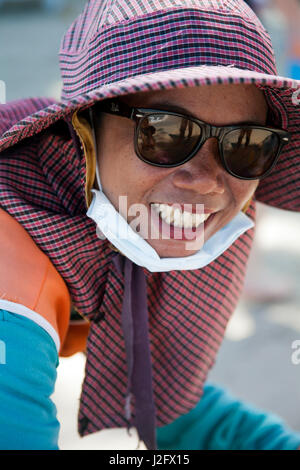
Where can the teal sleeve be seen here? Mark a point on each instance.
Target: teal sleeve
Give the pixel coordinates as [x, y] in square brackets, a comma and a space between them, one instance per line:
[28, 361]
[221, 422]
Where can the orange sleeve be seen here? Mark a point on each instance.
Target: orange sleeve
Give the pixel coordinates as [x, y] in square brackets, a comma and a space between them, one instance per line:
[76, 339]
[28, 279]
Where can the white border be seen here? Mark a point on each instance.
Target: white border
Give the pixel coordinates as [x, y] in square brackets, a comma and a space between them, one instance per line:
[36, 317]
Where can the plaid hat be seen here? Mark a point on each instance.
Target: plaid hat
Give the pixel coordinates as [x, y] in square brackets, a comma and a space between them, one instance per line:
[113, 48]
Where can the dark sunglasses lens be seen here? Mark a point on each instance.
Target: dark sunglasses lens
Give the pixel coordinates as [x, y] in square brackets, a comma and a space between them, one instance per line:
[164, 139]
[250, 153]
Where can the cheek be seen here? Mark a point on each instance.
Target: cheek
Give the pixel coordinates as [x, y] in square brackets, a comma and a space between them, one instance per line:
[122, 173]
[242, 191]
[113, 154]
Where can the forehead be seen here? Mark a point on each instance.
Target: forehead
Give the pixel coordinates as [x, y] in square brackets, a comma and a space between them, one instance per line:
[217, 104]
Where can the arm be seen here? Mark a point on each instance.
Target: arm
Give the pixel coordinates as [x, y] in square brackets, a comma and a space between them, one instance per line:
[221, 422]
[28, 362]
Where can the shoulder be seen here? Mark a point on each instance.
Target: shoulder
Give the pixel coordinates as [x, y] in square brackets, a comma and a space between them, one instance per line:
[29, 283]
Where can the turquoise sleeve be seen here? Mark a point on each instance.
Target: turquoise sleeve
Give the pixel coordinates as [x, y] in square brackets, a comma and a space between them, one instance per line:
[221, 422]
[28, 361]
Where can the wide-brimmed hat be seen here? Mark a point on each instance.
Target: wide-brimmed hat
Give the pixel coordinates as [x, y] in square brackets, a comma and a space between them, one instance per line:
[116, 47]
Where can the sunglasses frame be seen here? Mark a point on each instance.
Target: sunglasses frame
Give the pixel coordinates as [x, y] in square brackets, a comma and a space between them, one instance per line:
[119, 108]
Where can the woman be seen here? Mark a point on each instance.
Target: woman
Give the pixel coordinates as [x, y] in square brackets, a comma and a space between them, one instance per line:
[176, 107]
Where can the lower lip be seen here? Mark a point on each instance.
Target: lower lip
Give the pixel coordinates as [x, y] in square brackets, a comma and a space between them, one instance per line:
[180, 233]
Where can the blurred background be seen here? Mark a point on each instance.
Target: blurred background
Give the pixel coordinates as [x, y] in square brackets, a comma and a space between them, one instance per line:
[254, 361]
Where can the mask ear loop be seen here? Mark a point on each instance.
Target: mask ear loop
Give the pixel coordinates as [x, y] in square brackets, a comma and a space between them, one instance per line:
[95, 147]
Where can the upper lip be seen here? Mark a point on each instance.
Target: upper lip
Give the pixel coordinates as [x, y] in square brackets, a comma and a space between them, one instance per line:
[187, 209]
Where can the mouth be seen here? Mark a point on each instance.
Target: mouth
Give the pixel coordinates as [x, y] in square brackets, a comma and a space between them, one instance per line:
[182, 221]
[179, 217]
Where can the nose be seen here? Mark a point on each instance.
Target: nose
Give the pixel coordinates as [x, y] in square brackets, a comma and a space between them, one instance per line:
[204, 173]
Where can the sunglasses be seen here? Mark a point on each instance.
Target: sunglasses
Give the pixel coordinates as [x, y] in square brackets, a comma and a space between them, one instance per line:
[168, 139]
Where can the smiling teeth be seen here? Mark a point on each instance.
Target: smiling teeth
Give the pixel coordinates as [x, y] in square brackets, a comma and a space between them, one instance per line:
[178, 218]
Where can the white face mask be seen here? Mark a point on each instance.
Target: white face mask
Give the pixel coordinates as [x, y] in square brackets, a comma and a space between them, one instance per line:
[116, 229]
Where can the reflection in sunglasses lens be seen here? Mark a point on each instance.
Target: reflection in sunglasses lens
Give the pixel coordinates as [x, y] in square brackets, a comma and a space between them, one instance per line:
[250, 153]
[166, 139]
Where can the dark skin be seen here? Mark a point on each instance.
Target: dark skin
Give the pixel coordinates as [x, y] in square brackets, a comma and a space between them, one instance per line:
[201, 180]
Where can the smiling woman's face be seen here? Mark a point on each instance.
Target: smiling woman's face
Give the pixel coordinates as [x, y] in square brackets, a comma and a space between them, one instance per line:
[202, 180]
